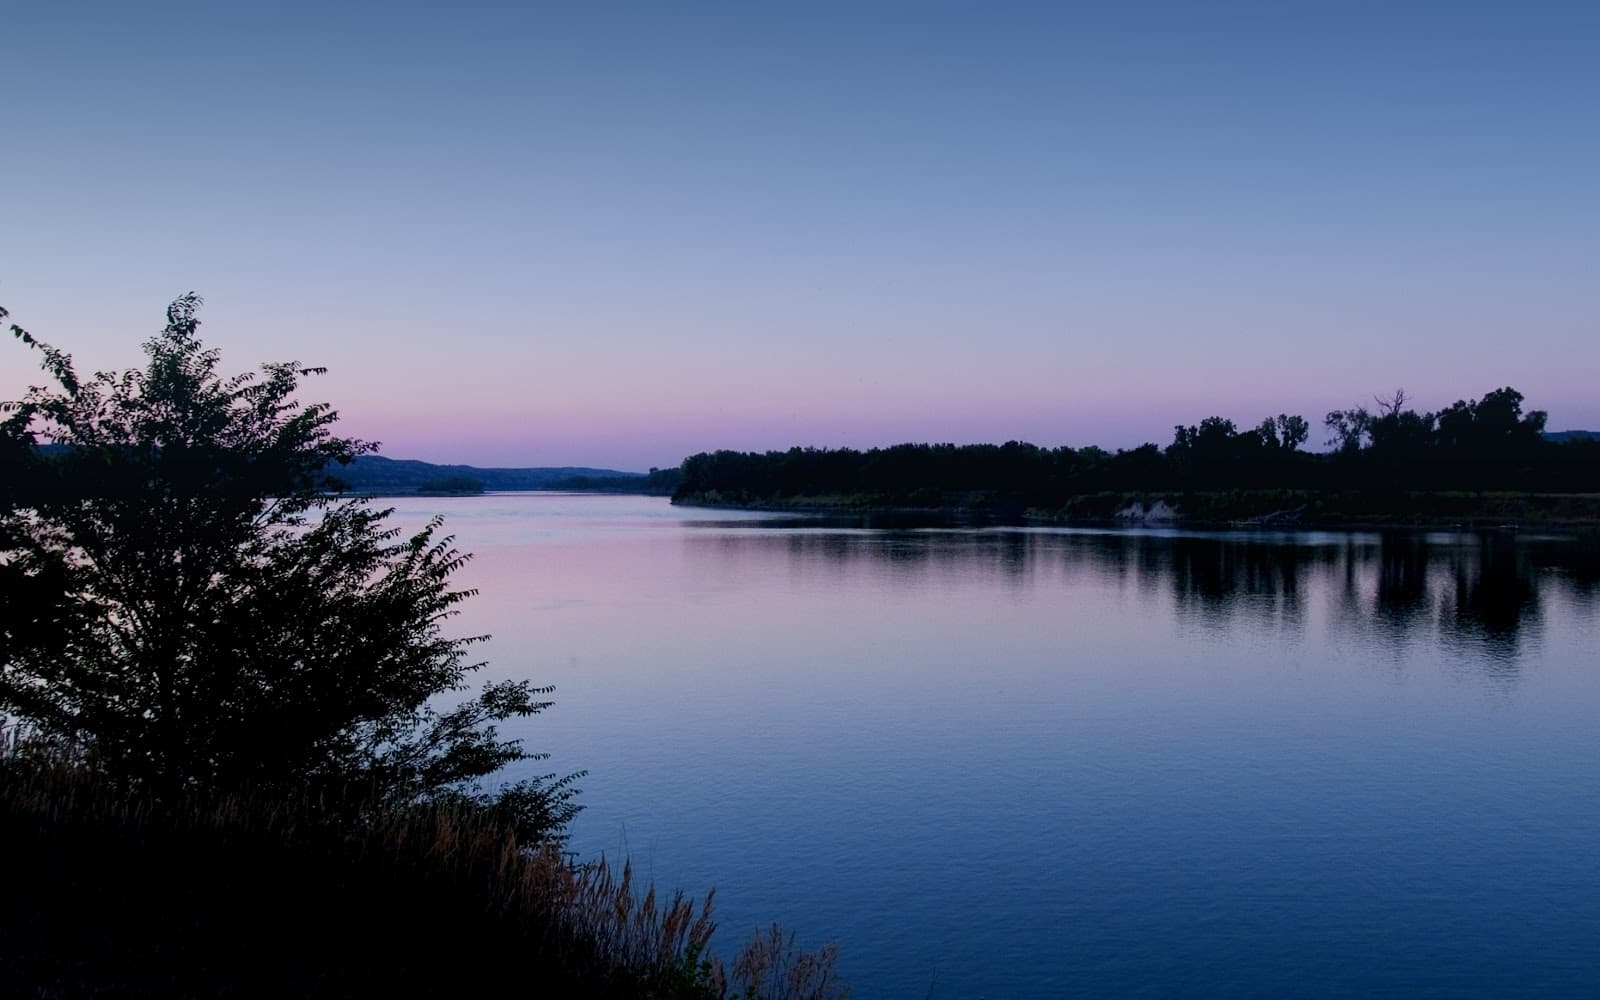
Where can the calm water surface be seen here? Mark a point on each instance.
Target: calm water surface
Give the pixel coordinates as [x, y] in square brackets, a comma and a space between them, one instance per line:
[1040, 762]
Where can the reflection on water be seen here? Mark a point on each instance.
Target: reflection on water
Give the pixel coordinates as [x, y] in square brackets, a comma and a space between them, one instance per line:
[1482, 590]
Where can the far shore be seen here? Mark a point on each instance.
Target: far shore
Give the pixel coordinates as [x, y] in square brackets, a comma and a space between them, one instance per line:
[1265, 509]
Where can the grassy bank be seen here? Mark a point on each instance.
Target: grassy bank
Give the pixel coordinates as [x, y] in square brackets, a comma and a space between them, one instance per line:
[1343, 508]
[113, 894]
[1307, 508]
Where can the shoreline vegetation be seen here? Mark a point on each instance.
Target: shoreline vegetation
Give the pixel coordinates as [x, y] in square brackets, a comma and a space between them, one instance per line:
[273, 893]
[1348, 509]
[1477, 463]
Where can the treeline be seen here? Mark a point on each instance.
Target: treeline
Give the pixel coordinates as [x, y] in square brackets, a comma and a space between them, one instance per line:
[1482, 445]
[375, 474]
[451, 486]
[656, 482]
[394, 476]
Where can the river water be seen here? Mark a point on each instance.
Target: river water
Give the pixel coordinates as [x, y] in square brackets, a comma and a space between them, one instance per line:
[1028, 762]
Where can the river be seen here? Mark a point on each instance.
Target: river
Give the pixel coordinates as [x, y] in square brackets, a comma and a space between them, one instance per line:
[1040, 762]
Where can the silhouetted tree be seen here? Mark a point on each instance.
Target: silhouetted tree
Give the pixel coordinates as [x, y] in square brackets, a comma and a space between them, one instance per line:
[190, 602]
[1493, 425]
[1399, 436]
[1267, 433]
[1292, 431]
[1348, 429]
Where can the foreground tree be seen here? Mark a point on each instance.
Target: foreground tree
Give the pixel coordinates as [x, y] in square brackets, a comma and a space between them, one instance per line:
[191, 602]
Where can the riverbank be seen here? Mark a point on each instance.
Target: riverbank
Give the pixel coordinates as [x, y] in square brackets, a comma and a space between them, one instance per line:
[1232, 508]
[272, 894]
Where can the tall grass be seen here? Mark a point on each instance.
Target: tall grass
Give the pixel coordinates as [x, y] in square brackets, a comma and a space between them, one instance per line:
[114, 893]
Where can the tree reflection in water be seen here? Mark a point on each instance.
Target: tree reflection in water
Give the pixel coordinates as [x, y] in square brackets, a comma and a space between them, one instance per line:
[1484, 589]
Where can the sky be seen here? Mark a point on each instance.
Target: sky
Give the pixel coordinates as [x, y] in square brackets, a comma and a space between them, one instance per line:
[618, 234]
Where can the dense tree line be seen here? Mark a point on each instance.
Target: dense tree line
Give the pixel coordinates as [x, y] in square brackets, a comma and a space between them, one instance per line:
[452, 485]
[657, 482]
[1483, 444]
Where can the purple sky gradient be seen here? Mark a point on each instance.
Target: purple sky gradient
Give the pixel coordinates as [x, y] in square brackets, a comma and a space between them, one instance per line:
[615, 235]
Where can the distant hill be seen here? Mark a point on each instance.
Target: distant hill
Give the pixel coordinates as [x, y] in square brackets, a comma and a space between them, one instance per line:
[1559, 436]
[376, 474]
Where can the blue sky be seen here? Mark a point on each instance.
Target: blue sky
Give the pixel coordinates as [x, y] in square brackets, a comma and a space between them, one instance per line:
[618, 234]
